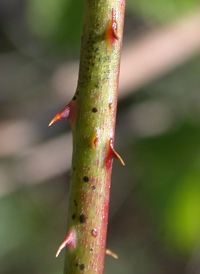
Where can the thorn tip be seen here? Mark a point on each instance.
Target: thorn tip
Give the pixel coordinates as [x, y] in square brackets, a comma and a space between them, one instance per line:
[69, 240]
[50, 123]
[63, 114]
[112, 254]
[117, 156]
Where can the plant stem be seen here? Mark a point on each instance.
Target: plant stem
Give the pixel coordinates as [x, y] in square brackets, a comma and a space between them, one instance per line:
[92, 114]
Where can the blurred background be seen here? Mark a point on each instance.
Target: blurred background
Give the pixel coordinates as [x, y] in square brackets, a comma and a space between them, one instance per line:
[154, 218]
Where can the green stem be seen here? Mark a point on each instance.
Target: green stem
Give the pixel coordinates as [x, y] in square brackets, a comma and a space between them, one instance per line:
[92, 114]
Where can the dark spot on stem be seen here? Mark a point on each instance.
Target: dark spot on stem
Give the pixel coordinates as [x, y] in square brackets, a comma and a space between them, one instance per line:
[94, 187]
[73, 216]
[91, 249]
[74, 98]
[86, 179]
[82, 218]
[94, 110]
[82, 266]
[75, 203]
[96, 85]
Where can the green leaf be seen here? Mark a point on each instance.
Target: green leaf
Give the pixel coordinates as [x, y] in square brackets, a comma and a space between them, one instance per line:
[162, 10]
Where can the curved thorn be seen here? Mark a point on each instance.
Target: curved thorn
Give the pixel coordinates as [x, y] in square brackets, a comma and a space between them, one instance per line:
[114, 34]
[63, 114]
[113, 25]
[59, 249]
[117, 156]
[112, 254]
[69, 240]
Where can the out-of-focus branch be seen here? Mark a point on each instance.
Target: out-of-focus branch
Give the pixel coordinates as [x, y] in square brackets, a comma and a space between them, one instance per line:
[158, 52]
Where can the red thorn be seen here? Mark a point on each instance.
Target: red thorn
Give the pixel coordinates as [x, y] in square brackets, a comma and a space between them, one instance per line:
[69, 240]
[66, 113]
[63, 114]
[118, 157]
[112, 153]
[109, 252]
[112, 28]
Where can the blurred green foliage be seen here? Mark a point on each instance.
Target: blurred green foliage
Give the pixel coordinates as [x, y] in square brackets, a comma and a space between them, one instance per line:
[171, 185]
[58, 22]
[162, 10]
